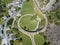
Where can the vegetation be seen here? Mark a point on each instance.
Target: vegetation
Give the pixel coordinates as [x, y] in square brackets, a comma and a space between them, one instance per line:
[15, 24]
[47, 1]
[17, 8]
[17, 42]
[15, 31]
[54, 16]
[36, 10]
[46, 43]
[42, 23]
[33, 17]
[0, 40]
[25, 38]
[3, 9]
[10, 22]
[39, 39]
[1, 21]
[27, 0]
[43, 3]
[21, 38]
[8, 1]
[11, 41]
[27, 8]
[28, 24]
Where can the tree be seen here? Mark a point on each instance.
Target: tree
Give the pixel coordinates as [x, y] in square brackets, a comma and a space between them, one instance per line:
[3, 8]
[20, 39]
[10, 22]
[1, 21]
[11, 41]
[25, 27]
[46, 43]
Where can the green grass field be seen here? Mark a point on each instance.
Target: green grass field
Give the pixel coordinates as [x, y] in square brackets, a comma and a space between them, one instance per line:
[28, 23]
[39, 39]
[27, 8]
[25, 40]
[16, 42]
[42, 23]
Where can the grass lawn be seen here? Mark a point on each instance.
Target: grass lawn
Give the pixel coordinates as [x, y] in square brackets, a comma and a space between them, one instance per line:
[16, 42]
[28, 23]
[25, 39]
[27, 8]
[42, 23]
[39, 39]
